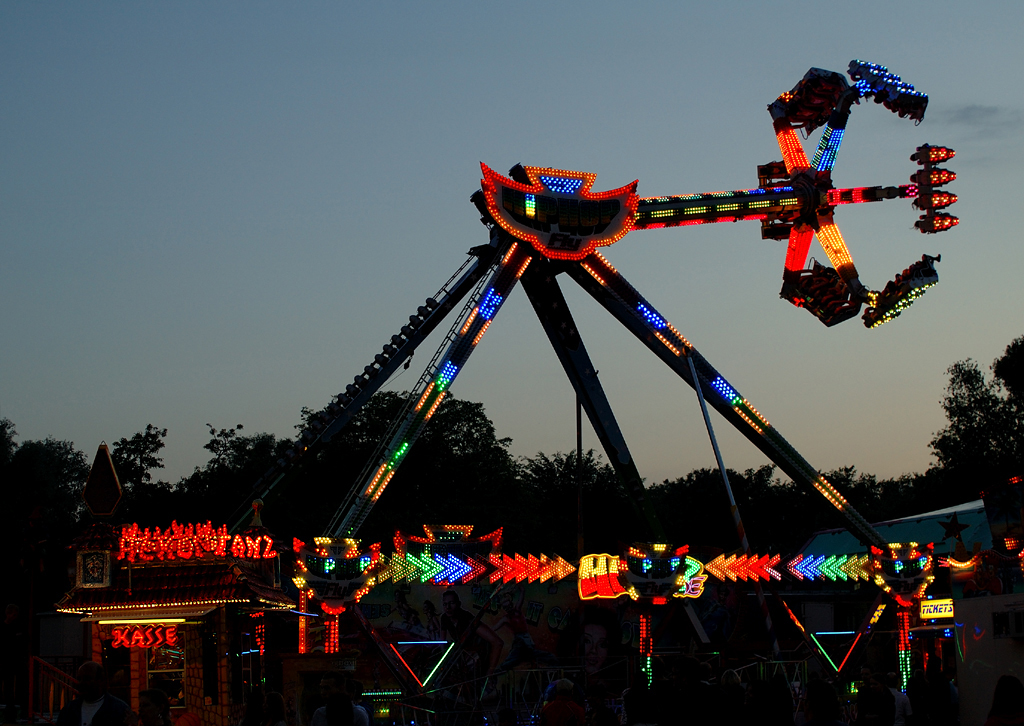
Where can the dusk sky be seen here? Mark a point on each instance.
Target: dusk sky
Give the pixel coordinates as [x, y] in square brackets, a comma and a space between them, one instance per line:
[219, 212]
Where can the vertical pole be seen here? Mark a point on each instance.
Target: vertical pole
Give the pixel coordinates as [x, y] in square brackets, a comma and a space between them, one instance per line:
[303, 621]
[740, 531]
[31, 688]
[579, 477]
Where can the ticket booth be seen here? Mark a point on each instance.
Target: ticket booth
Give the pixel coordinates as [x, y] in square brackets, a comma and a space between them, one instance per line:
[184, 609]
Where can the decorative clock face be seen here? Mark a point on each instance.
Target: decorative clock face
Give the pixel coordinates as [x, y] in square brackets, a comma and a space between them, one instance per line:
[557, 213]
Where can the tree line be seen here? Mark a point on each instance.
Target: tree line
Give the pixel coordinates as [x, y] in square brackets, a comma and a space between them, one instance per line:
[461, 472]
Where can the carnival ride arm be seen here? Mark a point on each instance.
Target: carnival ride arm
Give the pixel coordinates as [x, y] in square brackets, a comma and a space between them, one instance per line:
[433, 386]
[333, 418]
[541, 286]
[604, 283]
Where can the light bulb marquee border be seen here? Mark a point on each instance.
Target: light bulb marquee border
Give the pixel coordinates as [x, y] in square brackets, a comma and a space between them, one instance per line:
[544, 202]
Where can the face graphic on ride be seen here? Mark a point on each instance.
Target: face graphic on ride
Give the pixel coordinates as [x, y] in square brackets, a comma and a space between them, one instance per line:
[557, 213]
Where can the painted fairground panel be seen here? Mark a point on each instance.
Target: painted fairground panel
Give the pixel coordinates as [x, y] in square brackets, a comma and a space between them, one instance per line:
[527, 626]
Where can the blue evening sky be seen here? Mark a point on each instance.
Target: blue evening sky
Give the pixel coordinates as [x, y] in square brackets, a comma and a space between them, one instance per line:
[219, 212]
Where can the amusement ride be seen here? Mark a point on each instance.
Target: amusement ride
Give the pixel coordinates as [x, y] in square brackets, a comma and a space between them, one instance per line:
[546, 222]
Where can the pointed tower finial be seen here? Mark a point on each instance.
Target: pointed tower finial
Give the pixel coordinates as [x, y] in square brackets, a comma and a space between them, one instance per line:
[102, 490]
[257, 505]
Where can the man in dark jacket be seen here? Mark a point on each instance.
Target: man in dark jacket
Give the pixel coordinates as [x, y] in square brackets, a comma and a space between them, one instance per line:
[94, 707]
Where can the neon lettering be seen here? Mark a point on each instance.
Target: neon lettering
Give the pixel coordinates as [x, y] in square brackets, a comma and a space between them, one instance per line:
[176, 542]
[149, 636]
[695, 586]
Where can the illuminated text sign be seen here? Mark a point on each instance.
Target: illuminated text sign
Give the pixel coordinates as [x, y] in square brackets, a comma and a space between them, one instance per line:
[931, 609]
[145, 636]
[188, 541]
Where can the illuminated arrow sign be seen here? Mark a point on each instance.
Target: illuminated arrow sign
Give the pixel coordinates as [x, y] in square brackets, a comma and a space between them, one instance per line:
[559, 569]
[810, 566]
[516, 568]
[766, 567]
[453, 569]
[400, 568]
[504, 568]
[476, 568]
[428, 569]
[832, 567]
[744, 567]
[856, 567]
[720, 567]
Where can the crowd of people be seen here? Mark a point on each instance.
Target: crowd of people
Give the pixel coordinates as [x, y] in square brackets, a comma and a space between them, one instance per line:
[689, 693]
[96, 706]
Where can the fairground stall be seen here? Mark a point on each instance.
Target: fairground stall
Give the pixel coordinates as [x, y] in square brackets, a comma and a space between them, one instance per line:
[185, 608]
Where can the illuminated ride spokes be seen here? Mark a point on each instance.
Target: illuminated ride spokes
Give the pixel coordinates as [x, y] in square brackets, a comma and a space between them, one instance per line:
[544, 222]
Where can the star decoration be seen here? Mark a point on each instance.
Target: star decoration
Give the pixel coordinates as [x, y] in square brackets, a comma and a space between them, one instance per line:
[953, 528]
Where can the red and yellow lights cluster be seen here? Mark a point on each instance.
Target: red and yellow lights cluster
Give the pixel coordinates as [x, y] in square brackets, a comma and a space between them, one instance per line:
[744, 567]
[800, 238]
[599, 577]
[792, 149]
[260, 631]
[832, 242]
[650, 571]
[903, 570]
[516, 568]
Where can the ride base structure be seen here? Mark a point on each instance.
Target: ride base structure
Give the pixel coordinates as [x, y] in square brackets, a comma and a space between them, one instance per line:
[544, 223]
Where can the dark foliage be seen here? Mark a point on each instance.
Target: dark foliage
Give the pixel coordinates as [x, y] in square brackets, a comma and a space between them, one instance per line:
[458, 472]
[42, 507]
[983, 442]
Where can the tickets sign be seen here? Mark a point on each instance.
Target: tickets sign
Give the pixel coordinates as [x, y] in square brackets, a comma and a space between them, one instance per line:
[557, 213]
[931, 609]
